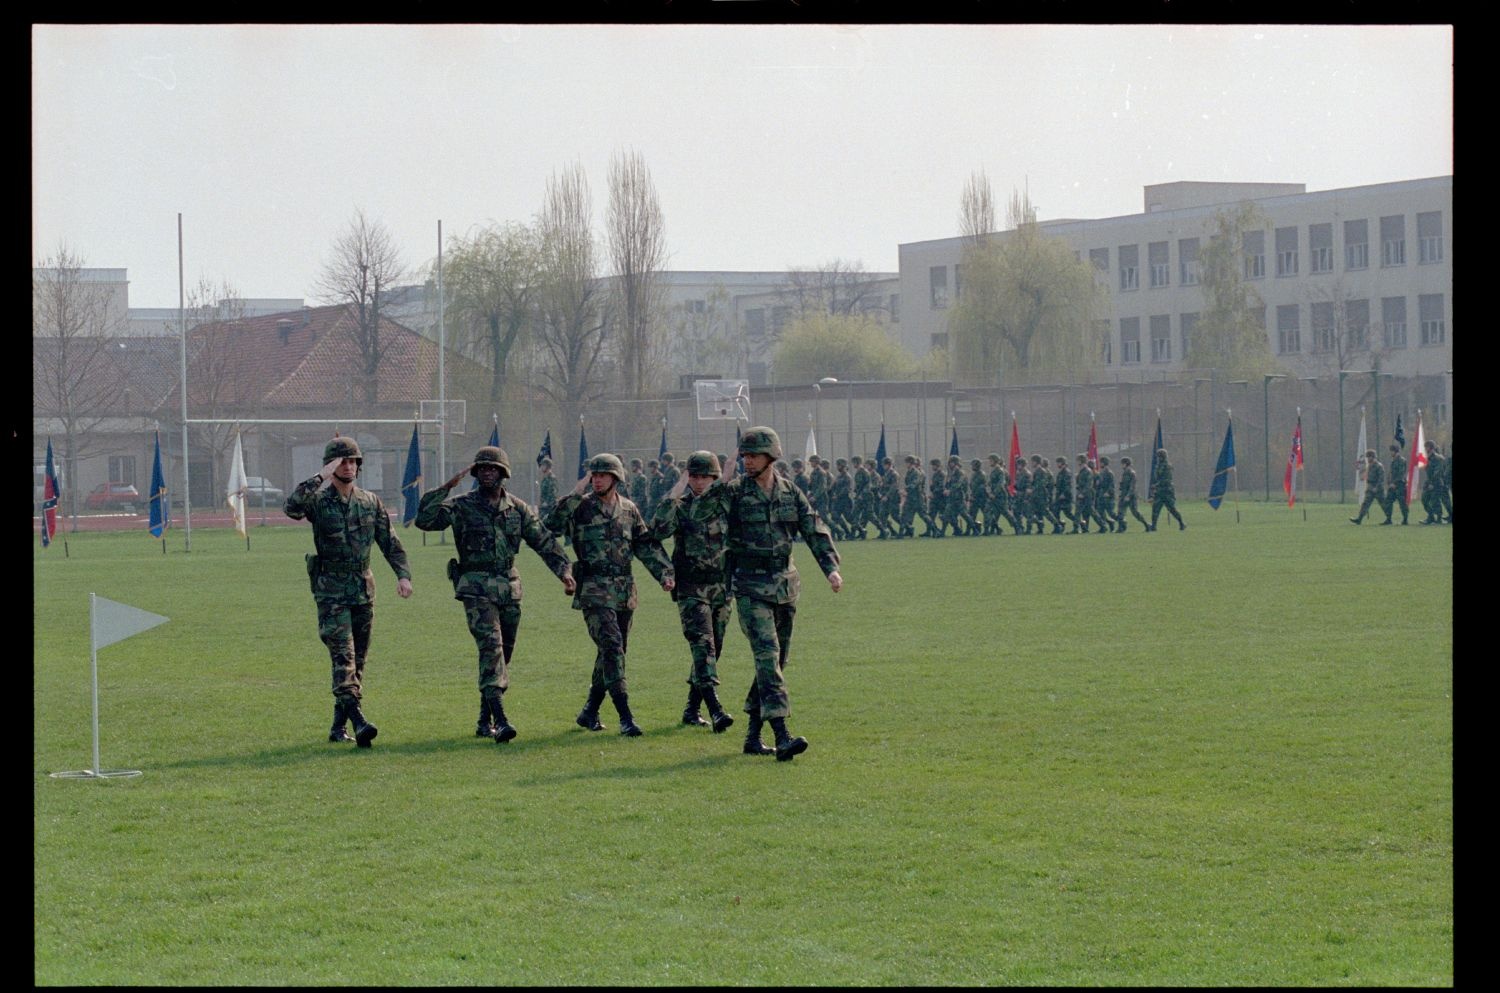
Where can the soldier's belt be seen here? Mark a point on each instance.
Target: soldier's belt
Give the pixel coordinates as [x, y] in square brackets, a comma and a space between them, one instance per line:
[340, 568]
[585, 570]
[700, 575]
[479, 562]
[760, 563]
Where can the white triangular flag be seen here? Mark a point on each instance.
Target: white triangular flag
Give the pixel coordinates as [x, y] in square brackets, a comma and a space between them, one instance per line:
[117, 621]
[237, 489]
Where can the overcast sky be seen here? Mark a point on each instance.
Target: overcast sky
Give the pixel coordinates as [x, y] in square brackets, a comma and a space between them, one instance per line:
[770, 146]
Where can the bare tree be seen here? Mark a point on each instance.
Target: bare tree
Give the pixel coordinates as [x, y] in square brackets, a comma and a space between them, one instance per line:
[1343, 334]
[364, 260]
[703, 340]
[493, 281]
[976, 208]
[571, 327]
[838, 288]
[221, 371]
[1228, 336]
[73, 329]
[638, 251]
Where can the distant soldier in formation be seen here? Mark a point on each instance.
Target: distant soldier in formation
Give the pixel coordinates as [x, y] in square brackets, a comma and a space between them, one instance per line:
[1084, 508]
[656, 489]
[862, 482]
[1020, 502]
[937, 497]
[913, 501]
[1104, 498]
[817, 486]
[1128, 494]
[1374, 488]
[546, 489]
[1041, 497]
[799, 477]
[841, 521]
[1396, 491]
[1162, 494]
[1062, 496]
[979, 498]
[890, 498]
[1000, 500]
[958, 497]
[637, 491]
[1435, 496]
[669, 474]
[872, 508]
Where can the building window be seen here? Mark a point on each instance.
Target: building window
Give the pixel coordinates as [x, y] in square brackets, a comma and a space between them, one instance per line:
[1161, 338]
[755, 323]
[1187, 261]
[1286, 251]
[695, 306]
[940, 341]
[1323, 334]
[1130, 271]
[1430, 311]
[1320, 248]
[1156, 256]
[780, 315]
[1254, 245]
[122, 468]
[1393, 316]
[1189, 324]
[1356, 245]
[958, 282]
[1430, 237]
[1101, 335]
[1393, 240]
[1289, 328]
[1130, 340]
[1100, 258]
[938, 275]
[1357, 324]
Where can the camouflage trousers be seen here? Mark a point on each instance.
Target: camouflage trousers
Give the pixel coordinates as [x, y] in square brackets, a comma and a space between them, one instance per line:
[1104, 512]
[1372, 498]
[346, 631]
[1167, 500]
[769, 628]
[610, 629]
[1130, 505]
[494, 627]
[1084, 512]
[1042, 512]
[703, 625]
[1393, 498]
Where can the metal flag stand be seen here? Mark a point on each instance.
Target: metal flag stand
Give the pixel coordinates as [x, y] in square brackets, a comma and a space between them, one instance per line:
[120, 622]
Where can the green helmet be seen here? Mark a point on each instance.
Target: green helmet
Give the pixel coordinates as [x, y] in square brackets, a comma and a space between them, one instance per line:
[703, 463]
[605, 462]
[490, 455]
[342, 448]
[760, 441]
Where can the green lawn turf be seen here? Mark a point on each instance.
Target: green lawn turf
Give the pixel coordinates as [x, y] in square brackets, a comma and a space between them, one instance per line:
[1205, 757]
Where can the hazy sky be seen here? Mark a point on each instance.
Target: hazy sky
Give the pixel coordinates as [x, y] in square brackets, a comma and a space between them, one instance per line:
[770, 146]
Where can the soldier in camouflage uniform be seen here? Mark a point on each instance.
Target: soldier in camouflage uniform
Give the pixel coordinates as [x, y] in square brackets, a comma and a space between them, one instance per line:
[1084, 509]
[346, 521]
[998, 486]
[1162, 493]
[817, 486]
[890, 498]
[656, 488]
[606, 529]
[765, 516]
[489, 525]
[1062, 496]
[937, 499]
[1104, 497]
[702, 590]
[546, 489]
[670, 474]
[979, 498]
[1041, 497]
[1127, 495]
[842, 519]
[958, 497]
[1374, 488]
[1396, 493]
[1435, 487]
[1021, 501]
[862, 482]
[637, 489]
[872, 508]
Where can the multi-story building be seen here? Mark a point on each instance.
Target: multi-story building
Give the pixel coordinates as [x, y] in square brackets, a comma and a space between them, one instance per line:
[1348, 278]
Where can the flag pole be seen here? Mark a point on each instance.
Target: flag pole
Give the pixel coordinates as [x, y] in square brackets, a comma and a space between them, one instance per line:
[1234, 470]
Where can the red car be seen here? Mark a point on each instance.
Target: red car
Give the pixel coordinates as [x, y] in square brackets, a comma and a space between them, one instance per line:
[114, 496]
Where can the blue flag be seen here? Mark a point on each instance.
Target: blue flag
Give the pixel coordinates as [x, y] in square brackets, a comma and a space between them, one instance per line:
[953, 446]
[662, 451]
[880, 448]
[411, 481]
[545, 452]
[49, 500]
[1156, 447]
[1400, 434]
[1221, 471]
[161, 513]
[583, 452]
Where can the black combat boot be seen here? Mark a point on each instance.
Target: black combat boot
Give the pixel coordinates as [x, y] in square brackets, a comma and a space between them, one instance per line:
[485, 726]
[364, 731]
[503, 731]
[337, 732]
[753, 744]
[690, 715]
[588, 717]
[787, 747]
[721, 721]
[628, 726]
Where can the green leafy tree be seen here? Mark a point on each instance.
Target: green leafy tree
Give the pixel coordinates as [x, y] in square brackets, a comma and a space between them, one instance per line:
[492, 280]
[849, 346]
[1229, 337]
[1026, 305]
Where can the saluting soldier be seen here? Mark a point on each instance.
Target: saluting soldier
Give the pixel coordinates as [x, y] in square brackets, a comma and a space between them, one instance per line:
[489, 525]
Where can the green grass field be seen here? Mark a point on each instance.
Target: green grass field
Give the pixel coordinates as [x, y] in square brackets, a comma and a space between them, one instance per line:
[1207, 757]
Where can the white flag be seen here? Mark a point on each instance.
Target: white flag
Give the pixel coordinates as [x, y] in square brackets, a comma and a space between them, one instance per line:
[237, 490]
[1361, 470]
[812, 443]
[117, 621]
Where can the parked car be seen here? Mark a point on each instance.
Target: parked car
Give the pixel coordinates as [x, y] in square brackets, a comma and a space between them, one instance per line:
[114, 496]
[262, 492]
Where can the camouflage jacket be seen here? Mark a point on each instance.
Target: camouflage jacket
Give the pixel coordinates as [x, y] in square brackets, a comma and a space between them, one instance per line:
[817, 486]
[1041, 485]
[1375, 478]
[999, 486]
[344, 532]
[762, 528]
[547, 498]
[1023, 487]
[1104, 485]
[1085, 478]
[1127, 484]
[1161, 484]
[937, 490]
[487, 537]
[1398, 473]
[604, 538]
[638, 494]
[1062, 487]
[698, 551]
[890, 488]
[843, 489]
[958, 489]
[1435, 477]
[912, 482]
[979, 490]
[861, 483]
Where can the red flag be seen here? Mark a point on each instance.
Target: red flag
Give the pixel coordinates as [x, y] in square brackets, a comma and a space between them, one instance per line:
[1015, 453]
[1293, 465]
[1418, 458]
[1093, 443]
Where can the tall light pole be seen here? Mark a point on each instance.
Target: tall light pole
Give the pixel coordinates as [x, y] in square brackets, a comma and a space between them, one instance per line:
[1267, 415]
